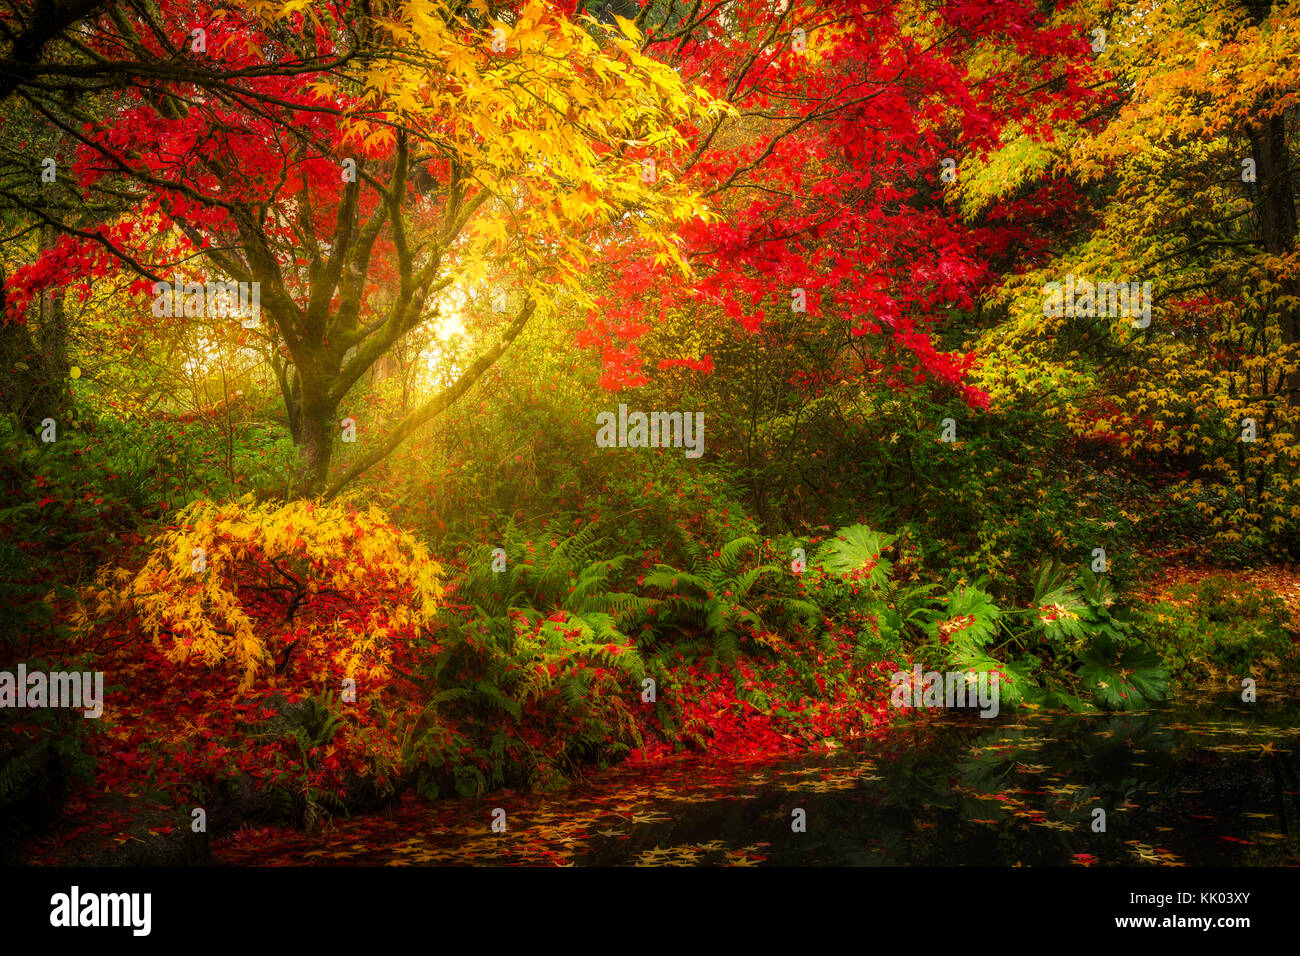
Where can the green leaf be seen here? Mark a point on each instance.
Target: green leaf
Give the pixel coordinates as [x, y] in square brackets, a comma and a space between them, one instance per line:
[1122, 677]
[966, 622]
[855, 553]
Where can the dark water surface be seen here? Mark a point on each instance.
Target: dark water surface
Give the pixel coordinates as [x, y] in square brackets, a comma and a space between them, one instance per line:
[1206, 780]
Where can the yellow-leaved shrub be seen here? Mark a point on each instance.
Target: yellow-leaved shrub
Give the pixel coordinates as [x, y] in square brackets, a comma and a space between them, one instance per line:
[253, 584]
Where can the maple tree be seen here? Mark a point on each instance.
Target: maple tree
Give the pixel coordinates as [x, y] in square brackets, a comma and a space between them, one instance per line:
[1193, 158]
[226, 577]
[354, 164]
[831, 170]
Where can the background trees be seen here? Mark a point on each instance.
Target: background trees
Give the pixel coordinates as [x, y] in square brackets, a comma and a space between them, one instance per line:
[1189, 171]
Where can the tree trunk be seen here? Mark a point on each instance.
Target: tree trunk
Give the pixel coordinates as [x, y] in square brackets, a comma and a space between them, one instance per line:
[35, 355]
[1275, 206]
[315, 449]
[53, 331]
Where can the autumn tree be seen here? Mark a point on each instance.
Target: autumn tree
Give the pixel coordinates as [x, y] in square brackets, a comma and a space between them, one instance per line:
[829, 283]
[355, 162]
[1190, 169]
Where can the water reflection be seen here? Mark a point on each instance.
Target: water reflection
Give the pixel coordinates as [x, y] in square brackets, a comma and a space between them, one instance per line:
[1206, 781]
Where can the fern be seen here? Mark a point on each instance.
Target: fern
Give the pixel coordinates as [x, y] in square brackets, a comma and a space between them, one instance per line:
[728, 559]
[486, 693]
[18, 772]
[904, 610]
[621, 605]
[797, 610]
[714, 595]
[670, 579]
[727, 647]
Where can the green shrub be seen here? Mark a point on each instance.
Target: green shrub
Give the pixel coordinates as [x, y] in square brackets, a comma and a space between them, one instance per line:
[1219, 628]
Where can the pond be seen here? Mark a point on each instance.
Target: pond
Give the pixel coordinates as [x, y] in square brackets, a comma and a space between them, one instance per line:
[1205, 780]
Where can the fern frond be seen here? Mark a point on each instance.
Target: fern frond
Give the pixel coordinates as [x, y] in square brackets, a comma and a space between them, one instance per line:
[729, 555]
